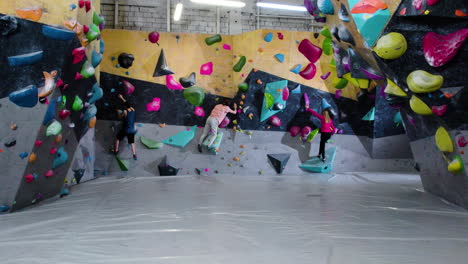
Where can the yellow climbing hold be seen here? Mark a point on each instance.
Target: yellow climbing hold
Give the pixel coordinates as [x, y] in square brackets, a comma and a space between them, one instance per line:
[456, 166]
[391, 46]
[32, 157]
[443, 140]
[393, 89]
[419, 107]
[423, 82]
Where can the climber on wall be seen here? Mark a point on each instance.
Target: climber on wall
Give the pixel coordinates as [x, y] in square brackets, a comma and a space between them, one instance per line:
[127, 113]
[327, 128]
[217, 115]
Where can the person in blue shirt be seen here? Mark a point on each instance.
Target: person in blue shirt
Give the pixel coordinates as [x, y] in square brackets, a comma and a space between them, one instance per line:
[128, 129]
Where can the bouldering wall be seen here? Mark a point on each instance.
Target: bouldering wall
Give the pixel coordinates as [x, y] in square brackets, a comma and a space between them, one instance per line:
[415, 54]
[45, 114]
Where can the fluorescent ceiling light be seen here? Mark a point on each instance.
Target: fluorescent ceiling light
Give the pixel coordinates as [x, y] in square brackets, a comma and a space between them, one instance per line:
[282, 7]
[228, 3]
[178, 11]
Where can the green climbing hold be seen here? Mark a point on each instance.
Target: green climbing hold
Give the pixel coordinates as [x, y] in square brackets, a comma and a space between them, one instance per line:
[87, 70]
[327, 46]
[423, 82]
[270, 100]
[194, 95]
[63, 102]
[150, 144]
[181, 139]
[312, 135]
[97, 19]
[339, 83]
[443, 140]
[243, 86]
[213, 39]
[77, 104]
[391, 46]
[54, 128]
[123, 164]
[419, 107]
[326, 32]
[456, 166]
[93, 33]
[240, 64]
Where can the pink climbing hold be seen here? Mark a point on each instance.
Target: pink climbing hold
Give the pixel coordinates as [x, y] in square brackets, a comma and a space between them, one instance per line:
[417, 4]
[153, 37]
[309, 71]
[199, 111]
[49, 174]
[432, 2]
[78, 76]
[85, 29]
[78, 54]
[64, 114]
[53, 151]
[462, 142]
[305, 131]
[38, 143]
[280, 35]
[129, 88]
[154, 105]
[226, 47]
[29, 178]
[439, 109]
[172, 84]
[59, 83]
[310, 51]
[274, 121]
[285, 93]
[207, 68]
[338, 94]
[225, 122]
[440, 49]
[294, 131]
[325, 76]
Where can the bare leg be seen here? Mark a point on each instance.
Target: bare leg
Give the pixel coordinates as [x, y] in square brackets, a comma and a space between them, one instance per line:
[133, 148]
[116, 146]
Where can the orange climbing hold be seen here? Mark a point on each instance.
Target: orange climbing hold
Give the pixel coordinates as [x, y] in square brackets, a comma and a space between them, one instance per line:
[242, 146]
[162, 125]
[13, 126]
[259, 81]
[33, 14]
[241, 102]
[460, 13]
[255, 69]
[236, 159]
[250, 60]
[448, 95]
[243, 97]
[92, 122]
[32, 157]
[368, 7]
[260, 50]
[58, 138]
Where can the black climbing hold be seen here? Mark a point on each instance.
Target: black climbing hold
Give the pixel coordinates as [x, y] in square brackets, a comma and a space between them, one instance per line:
[279, 161]
[10, 144]
[343, 13]
[8, 25]
[345, 35]
[78, 174]
[334, 32]
[359, 65]
[189, 81]
[42, 100]
[161, 67]
[278, 106]
[126, 60]
[316, 35]
[165, 169]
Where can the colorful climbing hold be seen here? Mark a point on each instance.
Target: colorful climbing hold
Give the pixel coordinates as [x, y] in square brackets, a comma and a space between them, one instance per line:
[420, 81]
[61, 157]
[54, 128]
[275, 121]
[268, 37]
[213, 39]
[194, 95]
[443, 140]
[198, 111]
[26, 97]
[439, 109]
[172, 84]
[391, 46]
[368, 6]
[296, 69]
[456, 165]
[25, 59]
[243, 87]
[309, 71]
[77, 104]
[32, 157]
[49, 84]
[34, 13]
[393, 89]
[226, 47]
[189, 81]
[310, 51]
[154, 105]
[87, 70]
[326, 7]
[23, 155]
[240, 64]
[440, 49]
[279, 57]
[419, 107]
[207, 68]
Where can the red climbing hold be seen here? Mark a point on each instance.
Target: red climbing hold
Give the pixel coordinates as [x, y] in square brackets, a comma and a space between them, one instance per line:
[310, 51]
[439, 109]
[38, 143]
[85, 29]
[64, 114]
[432, 2]
[368, 7]
[59, 83]
[462, 142]
[29, 178]
[417, 4]
[53, 151]
[49, 174]
[78, 76]
[403, 11]
[309, 71]
[81, 3]
[440, 49]
[78, 54]
[88, 6]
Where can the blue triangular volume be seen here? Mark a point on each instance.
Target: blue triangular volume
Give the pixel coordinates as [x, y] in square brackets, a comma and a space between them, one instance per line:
[325, 104]
[296, 69]
[317, 165]
[276, 90]
[370, 116]
[181, 139]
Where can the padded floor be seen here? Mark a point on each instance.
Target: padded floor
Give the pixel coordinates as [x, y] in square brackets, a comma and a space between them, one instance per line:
[345, 218]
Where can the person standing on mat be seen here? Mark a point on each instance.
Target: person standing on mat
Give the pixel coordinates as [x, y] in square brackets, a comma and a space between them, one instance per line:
[217, 115]
[128, 129]
[327, 129]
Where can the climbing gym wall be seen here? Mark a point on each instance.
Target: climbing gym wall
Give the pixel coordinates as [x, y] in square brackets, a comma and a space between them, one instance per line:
[414, 51]
[47, 98]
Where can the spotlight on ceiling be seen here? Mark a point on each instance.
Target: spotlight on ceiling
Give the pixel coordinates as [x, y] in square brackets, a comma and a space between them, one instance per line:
[227, 3]
[178, 11]
[282, 6]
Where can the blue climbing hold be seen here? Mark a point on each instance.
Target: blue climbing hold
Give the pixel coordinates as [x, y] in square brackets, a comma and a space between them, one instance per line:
[57, 33]
[4, 208]
[315, 164]
[397, 119]
[90, 112]
[96, 58]
[296, 69]
[181, 139]
[325, 104]
[64, 192]
[370, 115]
[102, 46]
[297, 90]
[50, 113]
[72, 7]
[326, 7]
[26, 97]
[23, 155]
[25, 59]
[370, 26]
[61, 158]
[96, 93]
[268, 37]
[279, 57]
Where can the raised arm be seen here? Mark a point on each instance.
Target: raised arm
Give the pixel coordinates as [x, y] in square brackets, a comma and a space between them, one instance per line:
[319, 116]
[232, 111]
